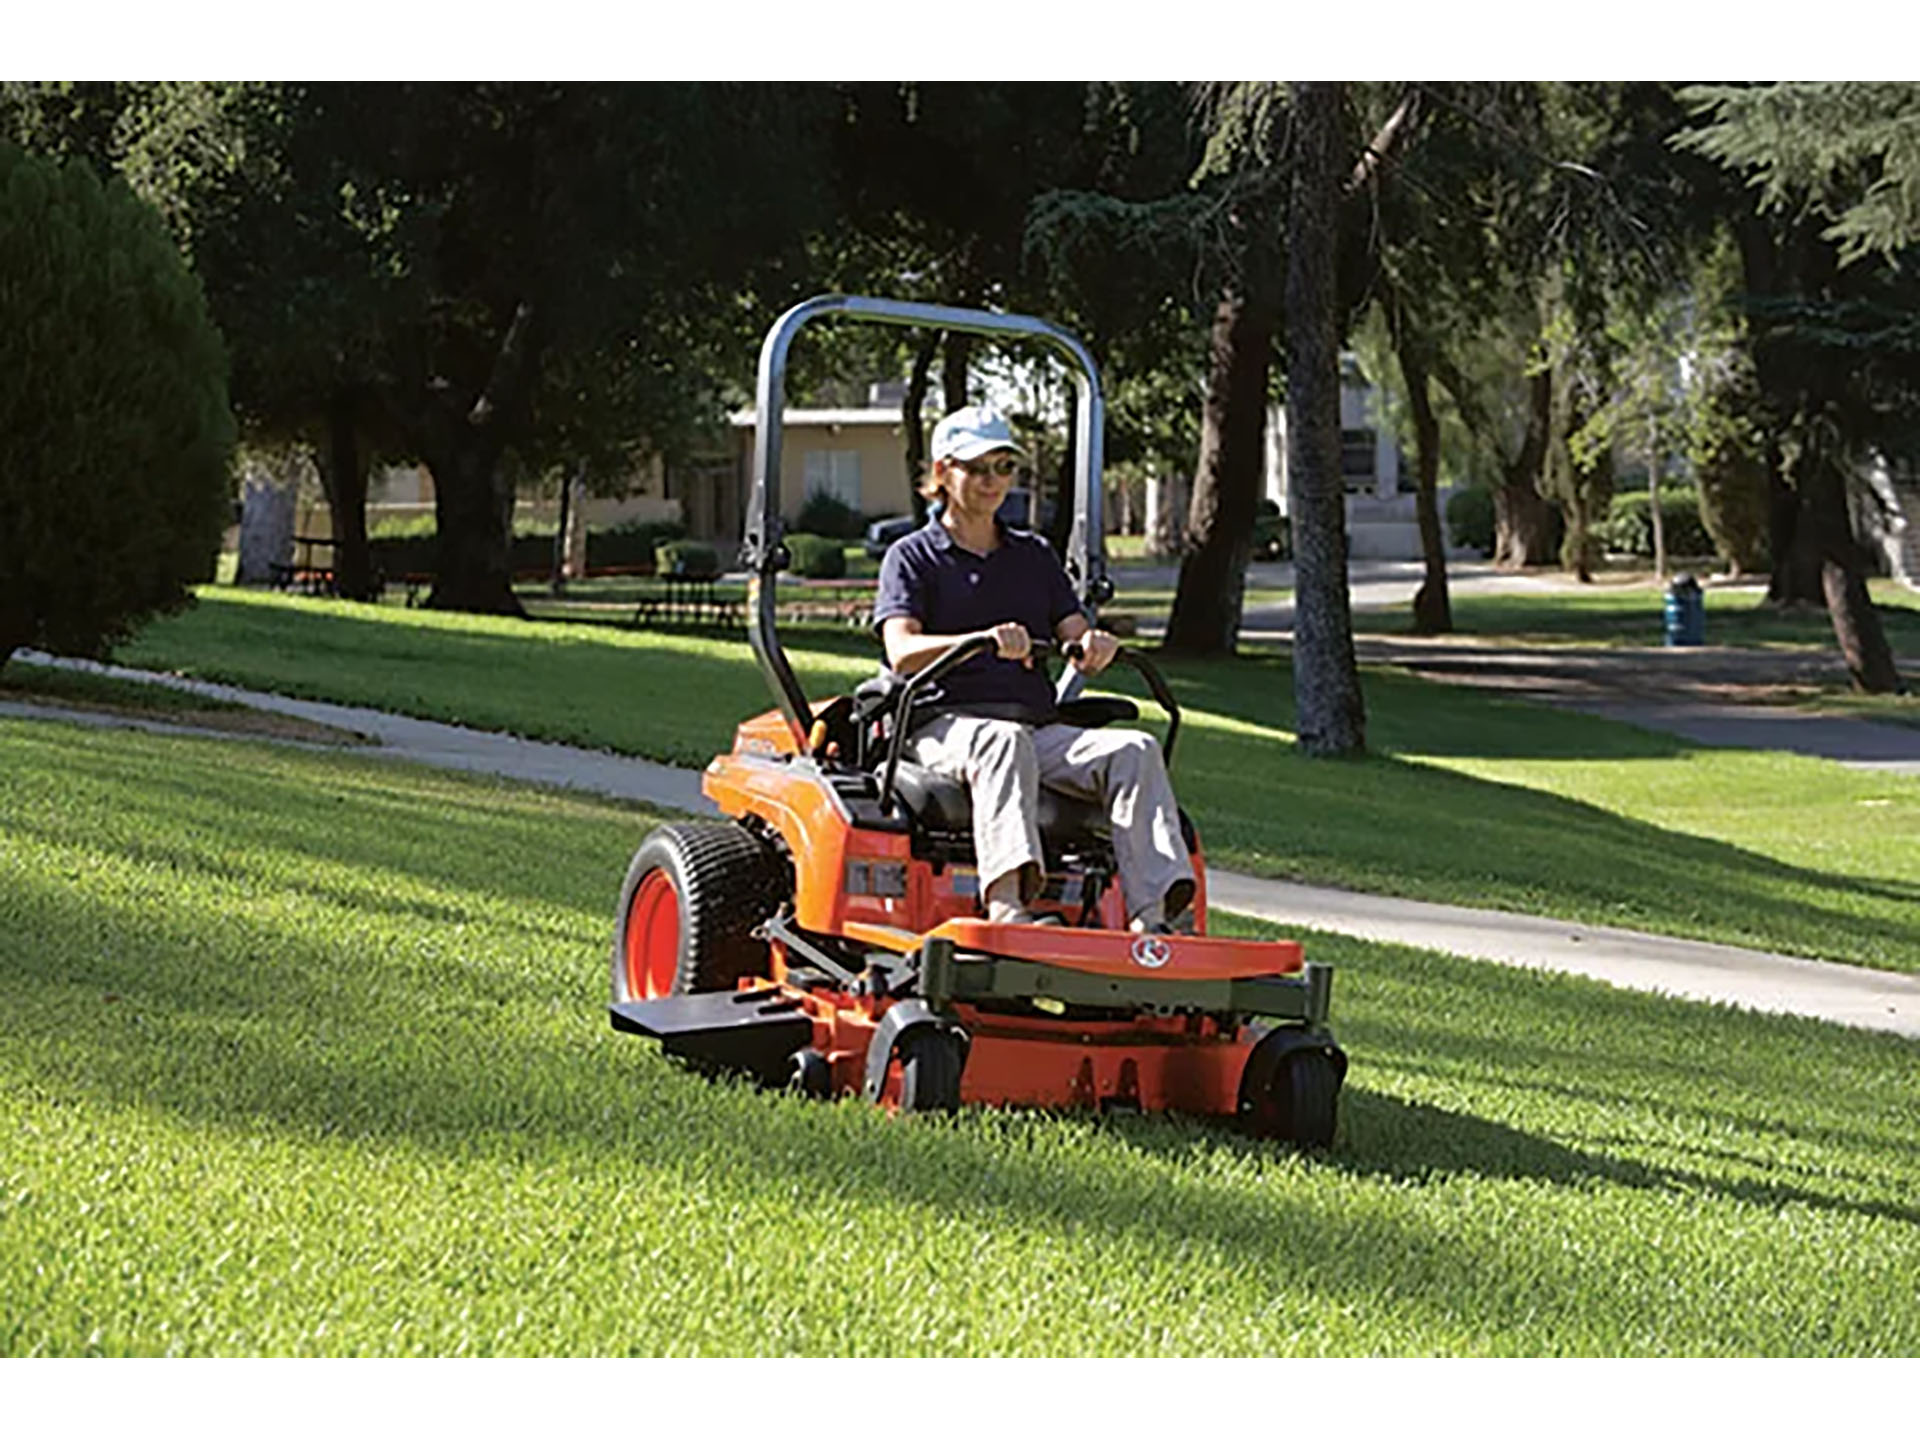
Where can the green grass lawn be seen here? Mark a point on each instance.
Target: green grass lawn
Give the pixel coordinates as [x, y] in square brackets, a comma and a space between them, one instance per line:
[1469, 799]
[306, 1054]
[1614, 614]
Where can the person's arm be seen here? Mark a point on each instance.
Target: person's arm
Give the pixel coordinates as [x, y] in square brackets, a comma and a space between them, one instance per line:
[909, 648]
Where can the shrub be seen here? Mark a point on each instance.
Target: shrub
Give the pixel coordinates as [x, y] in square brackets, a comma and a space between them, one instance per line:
[825, 514]
[114, 484]
[818, 557]
[1629, 529]
[1470, 519]
[1733, 507]
[694, 559]
[631, 543]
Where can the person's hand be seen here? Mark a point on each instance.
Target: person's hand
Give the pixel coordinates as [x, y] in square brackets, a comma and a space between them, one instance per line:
[1097, 650]
[1012, 640]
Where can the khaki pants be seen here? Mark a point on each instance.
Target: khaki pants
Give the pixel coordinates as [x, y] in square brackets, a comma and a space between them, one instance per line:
[1004, 764]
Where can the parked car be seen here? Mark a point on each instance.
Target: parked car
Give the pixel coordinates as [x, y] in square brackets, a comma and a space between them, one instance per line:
[882, 533]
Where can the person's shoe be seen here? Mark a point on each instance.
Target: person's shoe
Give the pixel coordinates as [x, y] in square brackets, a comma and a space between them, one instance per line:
[1150, 921]
[1178, 904]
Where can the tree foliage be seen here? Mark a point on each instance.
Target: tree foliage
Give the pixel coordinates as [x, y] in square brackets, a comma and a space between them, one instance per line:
[113, 400]
[1848, 152]
[1830, 319]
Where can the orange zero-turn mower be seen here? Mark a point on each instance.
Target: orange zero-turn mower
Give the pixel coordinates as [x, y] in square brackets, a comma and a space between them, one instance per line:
[827, 935]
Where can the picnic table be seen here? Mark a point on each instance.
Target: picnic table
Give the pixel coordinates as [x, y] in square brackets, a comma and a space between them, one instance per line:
[690, 600]
[304, 573]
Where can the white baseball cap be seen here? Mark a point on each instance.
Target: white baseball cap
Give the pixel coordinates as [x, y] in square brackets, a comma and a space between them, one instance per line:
[972, 432]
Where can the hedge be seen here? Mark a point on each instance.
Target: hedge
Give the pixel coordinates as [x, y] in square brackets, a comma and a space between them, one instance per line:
[817, 557]
[1629, 525]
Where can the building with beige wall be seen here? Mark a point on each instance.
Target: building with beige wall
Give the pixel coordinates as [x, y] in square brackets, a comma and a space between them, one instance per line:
[857, 456]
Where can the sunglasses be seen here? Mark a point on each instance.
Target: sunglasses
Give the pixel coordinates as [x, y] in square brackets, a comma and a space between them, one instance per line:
[980, 469]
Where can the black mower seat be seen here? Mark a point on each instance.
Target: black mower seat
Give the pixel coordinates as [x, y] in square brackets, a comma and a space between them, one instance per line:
[942, 804]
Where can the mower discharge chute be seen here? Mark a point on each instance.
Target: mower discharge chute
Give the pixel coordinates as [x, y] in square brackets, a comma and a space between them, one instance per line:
[828, 934]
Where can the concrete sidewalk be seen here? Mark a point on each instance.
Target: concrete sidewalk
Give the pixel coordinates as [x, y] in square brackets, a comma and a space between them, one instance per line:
[1779, 984]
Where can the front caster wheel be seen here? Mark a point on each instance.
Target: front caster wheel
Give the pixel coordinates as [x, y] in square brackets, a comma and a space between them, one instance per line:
[930, 1064]
[1290, 1089]
[812, 1076]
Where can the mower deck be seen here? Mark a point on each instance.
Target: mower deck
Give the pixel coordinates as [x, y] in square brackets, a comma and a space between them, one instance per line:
[1107, 1019]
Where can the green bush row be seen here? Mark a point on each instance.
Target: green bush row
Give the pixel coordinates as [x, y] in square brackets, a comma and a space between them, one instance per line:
[817, 557]
[633, 543]
[1629, 526]
[823, 514]
[1470, 519]
[1627, 530]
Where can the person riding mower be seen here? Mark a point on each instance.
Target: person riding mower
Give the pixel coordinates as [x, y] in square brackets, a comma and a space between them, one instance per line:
[849, 929]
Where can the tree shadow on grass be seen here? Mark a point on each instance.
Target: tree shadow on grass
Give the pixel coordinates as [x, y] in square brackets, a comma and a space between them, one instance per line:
[1425, 830]
[229, 1018]
[375, 1060]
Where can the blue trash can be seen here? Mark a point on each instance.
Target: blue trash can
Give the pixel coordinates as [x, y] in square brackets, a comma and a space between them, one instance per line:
[1686, 612]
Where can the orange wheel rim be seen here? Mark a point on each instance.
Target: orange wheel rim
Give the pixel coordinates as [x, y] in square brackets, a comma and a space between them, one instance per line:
[653, 937]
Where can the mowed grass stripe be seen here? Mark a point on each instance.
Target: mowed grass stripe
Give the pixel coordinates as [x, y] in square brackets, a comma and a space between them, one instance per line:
[1467, 800]
[306, 1054]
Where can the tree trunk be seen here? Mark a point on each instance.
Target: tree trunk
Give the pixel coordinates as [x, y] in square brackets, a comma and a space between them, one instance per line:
[266, 523]
[1653, 502]
[1522, 516]
[1826, 528]
[1330, 709]
[578, 540]
[956, 352]
[1432, 606]
[1060, 531]
[345, 478]
[473, 507]
[911, 409]
[1856, 625]
[563, 525]
[1795, 579]
[1523, 527]
[1219, 539]
[15, 631]
[1166, 502]
[473, 500]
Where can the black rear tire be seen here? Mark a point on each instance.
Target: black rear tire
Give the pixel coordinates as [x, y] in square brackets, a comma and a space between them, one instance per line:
[693, 895]
[930, 1064]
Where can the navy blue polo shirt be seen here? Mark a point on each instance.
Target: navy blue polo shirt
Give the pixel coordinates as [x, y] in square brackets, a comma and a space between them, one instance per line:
[952, 591]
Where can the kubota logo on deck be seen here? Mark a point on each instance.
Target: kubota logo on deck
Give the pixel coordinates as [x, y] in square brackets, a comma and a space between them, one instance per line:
[1150, 952]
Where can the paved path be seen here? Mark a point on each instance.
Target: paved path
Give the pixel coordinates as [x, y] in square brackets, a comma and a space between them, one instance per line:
[1712, 695]
[1780, 984]
[1693, 692]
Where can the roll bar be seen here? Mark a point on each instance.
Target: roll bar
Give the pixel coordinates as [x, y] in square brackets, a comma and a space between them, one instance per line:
[762, 550]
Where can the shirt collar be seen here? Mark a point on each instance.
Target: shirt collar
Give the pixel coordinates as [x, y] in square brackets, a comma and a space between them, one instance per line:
[943, 537]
